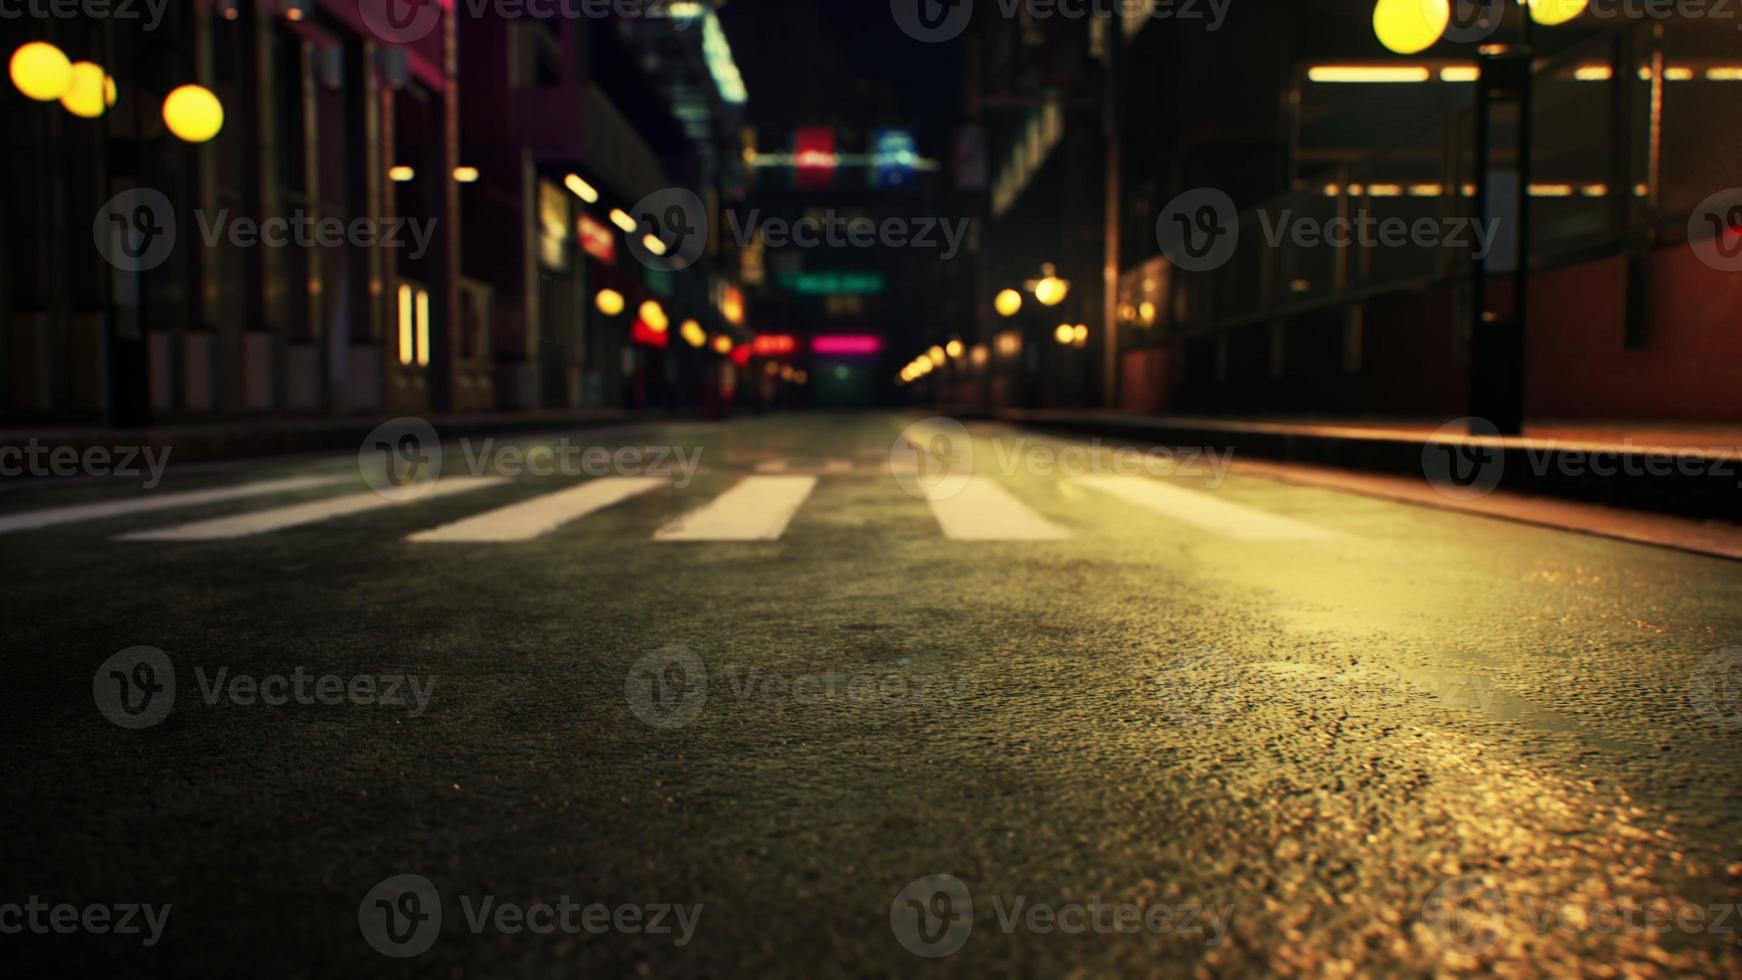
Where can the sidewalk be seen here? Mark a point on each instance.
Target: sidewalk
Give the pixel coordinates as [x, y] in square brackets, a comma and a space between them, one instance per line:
[1692, 470]
[246, 438]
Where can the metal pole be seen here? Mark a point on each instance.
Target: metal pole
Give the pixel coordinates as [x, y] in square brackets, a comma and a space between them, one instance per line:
[1110, 263]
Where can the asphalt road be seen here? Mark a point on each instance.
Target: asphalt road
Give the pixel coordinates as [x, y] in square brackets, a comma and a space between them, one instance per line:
[962, 714]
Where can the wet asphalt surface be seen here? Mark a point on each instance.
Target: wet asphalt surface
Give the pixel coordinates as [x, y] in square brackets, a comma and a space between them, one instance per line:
[1425, 743]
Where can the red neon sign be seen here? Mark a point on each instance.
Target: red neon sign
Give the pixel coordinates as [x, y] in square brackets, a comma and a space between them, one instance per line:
[597, 240]
[770, 344]
[813, 152]
[847, 344]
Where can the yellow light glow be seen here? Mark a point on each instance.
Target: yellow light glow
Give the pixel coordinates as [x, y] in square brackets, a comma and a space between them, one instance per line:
[581, 188]
[1367, 74]
[423, 328]
[653, 315]
[623, 221]
[787, 373]
[979, 355]
[1080, 334]
[1063, 333]
[652, 243]
[193, 113]
[722, 344]
[1409, 26]
[936, 356]
[953, 348]
[1595, 190]
[1146, 311]
[692, 333]
[1593, 73]
[1332, 190]
[1008, 302]
[801, 377]
[1678, 74]
[86, 89]
[609, 302]
[406, 351]
[1551, 190]
[1051, 290]
[1426, 190]
[1460, 73]
[771, 369]
[1551, 12]
[1384, 190]
[400, 173]
[466, 175]
[40, 71]
[1724, 73]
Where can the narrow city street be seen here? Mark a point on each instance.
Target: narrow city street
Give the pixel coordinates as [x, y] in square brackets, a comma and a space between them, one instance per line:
[740, 695]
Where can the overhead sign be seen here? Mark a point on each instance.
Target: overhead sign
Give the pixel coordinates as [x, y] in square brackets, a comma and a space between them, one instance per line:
[833, 283]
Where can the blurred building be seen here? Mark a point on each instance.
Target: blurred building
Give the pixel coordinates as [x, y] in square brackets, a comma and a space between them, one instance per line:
[1304, 112]
[515, 147]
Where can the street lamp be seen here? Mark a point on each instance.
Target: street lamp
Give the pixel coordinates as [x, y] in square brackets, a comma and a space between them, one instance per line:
[1410, 26]
[193, 113]
[1008, 302]
[41, 71]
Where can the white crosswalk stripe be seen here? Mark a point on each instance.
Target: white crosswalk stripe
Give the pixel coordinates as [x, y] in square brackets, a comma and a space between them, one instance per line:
[539, 516]
[984, 511]
[757, 508]
[31, 520]
[1204, 511]
[278, 518]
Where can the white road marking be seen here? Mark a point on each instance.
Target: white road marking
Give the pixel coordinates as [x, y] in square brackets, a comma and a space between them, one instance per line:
[757, 508]
[278, 518]
[541, 515]
[984, 511]
[1204, 511]
[31, 520]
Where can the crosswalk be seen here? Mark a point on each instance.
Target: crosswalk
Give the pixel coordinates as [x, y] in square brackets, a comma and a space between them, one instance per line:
[760, 506]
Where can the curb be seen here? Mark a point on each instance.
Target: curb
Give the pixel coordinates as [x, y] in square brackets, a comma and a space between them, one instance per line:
[1687, 482]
